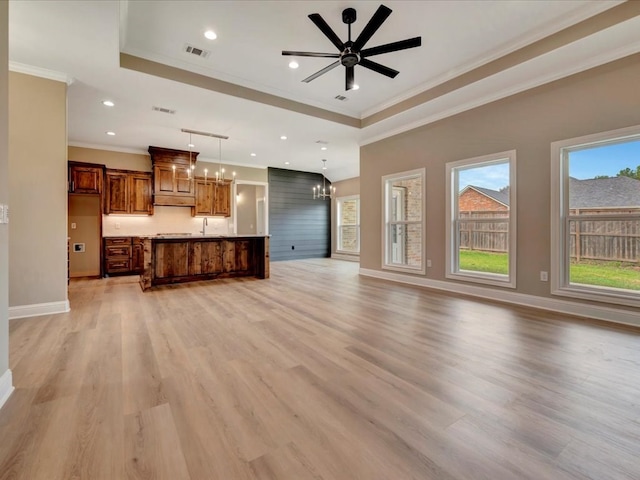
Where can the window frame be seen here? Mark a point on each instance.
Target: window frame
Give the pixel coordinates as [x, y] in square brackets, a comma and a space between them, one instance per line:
[339, 224]
[561, 218]
[452, 270]
[386, 214]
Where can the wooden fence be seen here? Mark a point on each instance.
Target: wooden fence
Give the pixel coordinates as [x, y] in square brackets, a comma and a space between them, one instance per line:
[606, 239]
[485, 230]
[593, 239]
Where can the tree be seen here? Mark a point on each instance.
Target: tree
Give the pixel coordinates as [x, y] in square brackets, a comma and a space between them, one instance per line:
[629, 172]
[504, 189]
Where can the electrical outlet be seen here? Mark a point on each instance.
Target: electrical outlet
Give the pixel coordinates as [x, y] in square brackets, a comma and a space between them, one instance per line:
[73, 225]
[428, 263]
[544, 276]
[117, 226]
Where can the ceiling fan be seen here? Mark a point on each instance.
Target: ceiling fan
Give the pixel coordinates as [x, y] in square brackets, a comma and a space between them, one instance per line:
[351, 53]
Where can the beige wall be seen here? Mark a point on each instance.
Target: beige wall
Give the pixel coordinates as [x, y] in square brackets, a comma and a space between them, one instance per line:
[164, 219]
[602, 99]
[246, 209]
[38, 190]
[4, 187]
[344, 188]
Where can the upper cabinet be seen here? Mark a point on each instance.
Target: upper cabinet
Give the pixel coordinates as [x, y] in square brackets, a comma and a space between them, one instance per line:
[212, 199]
[85, 178]
[173, 182]
[128, 192]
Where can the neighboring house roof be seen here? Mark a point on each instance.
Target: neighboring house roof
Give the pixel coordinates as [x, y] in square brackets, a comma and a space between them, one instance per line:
[604, 192]
[500, 197]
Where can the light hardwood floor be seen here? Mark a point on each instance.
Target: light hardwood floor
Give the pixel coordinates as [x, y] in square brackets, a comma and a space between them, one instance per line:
[316, 373]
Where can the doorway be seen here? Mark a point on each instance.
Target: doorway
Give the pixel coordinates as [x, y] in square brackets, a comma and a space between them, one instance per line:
[251, 209]
[84, 230]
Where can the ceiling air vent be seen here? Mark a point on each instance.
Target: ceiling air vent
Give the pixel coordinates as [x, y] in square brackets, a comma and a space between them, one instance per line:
[342, 98]
[322, 142]
[196, 51]
[163, 110]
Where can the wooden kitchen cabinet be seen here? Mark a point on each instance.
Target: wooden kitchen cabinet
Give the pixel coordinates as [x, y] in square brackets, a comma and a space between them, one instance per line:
[204, 199]
[85, 179]
[211, 199]
[188, 259]
[137, 255]
[123, 255]
[173, 183]
[128, 193]
[222, 200]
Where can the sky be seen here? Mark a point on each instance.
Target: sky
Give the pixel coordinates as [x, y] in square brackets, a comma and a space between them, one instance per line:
[583, 164]
[491, 176]
[604, 160]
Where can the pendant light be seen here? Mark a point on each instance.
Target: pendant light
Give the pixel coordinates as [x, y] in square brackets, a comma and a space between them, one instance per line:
[323, 193]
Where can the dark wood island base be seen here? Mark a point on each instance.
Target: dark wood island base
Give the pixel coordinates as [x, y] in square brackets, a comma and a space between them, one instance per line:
[178, 259]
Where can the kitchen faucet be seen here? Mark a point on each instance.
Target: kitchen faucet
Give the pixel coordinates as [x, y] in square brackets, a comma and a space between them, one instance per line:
[205, 222]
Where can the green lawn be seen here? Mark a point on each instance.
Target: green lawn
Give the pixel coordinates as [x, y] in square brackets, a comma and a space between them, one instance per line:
[604, 274]
[476, 261]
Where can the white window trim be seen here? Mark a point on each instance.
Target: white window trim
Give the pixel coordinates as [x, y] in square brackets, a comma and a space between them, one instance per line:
[339, 201]
[559, 211]
[385, 217]
[451, 271]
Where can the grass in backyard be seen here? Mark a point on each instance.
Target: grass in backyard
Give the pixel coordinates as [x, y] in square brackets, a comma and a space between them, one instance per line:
[602, 274]
[490, 262]
[606, 274]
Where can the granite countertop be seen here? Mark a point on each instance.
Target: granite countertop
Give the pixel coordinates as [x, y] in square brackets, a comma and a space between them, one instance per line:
[188, 235]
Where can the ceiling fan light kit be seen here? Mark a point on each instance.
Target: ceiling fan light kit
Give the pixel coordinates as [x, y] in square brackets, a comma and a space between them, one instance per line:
[351, 52]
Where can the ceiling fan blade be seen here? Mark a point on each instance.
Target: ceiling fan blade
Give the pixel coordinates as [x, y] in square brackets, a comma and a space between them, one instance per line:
[350, 80]
[321, 72]
[374, 24]
[392, 47]
[311, 54]
[326, 29]
[376, 67]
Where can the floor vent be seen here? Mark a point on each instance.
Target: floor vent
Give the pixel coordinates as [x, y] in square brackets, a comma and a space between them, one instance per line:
[196, 51]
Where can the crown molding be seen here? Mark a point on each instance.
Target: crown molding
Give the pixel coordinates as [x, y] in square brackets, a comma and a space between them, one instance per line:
[40, 72]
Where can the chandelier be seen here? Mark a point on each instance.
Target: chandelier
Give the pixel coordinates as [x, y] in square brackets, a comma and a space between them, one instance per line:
[220, 173]
[325, 192]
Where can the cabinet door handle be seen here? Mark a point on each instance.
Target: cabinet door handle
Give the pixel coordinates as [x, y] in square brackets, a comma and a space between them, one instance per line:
[73, 186]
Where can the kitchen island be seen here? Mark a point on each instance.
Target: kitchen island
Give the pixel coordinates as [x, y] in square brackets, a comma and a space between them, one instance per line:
[171, 259]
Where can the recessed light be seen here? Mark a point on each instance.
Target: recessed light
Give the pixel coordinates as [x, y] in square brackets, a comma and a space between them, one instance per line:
[323, 148]
[293, 64]
[286, 163]
[108, 103]
[111, 133]
[210, 34]
[253, 154]
[355, 87]
[283, 137]
[190, 145]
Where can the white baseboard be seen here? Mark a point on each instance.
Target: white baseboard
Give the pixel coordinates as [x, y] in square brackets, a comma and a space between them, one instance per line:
[6, 387]
[38, 309]
[344, 256]
[597, 312]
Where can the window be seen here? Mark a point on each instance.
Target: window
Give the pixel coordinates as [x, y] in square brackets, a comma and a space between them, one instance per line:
[349, 224]
[596, 217]
[403, 221]
[481, 219]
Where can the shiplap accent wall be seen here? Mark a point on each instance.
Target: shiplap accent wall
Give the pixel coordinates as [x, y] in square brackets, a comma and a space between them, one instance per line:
[295, 218]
